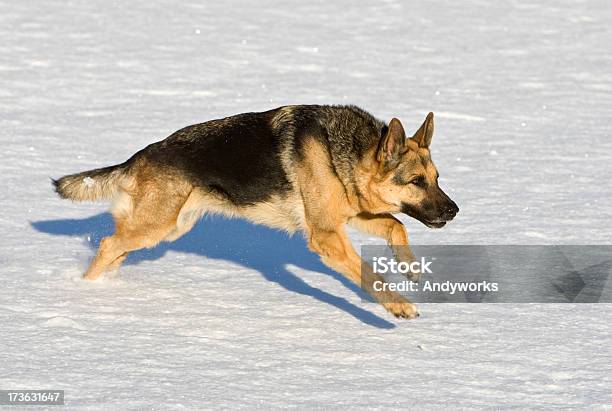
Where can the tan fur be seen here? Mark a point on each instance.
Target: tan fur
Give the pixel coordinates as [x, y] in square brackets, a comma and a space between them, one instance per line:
[391, 229]
[373, 187]
[145, 213]
[278, 212]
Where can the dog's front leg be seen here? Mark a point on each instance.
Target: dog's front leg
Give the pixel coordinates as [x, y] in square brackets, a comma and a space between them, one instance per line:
[392, 230]
[337, 252]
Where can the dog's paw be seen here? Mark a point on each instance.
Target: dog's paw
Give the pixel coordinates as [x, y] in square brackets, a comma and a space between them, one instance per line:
[91, 276]
[414, 277]
[404, 254]
[404, 309]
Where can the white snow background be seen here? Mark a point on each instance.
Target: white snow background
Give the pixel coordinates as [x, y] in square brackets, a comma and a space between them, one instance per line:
[239, 316]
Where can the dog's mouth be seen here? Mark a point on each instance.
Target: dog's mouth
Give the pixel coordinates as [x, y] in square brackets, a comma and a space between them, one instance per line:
[434, 224]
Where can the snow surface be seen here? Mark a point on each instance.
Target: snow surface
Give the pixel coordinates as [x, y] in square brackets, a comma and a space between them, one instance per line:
[238, 316]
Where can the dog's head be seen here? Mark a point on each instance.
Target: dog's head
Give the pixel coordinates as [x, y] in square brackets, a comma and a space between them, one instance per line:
[402, 177]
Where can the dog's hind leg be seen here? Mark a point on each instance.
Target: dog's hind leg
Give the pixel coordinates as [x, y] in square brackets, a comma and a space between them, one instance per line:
[188, 215]
[148, 218]
[133, 233]
[117, 263]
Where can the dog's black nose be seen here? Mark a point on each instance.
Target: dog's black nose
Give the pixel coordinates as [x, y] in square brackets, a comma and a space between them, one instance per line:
[451, 211]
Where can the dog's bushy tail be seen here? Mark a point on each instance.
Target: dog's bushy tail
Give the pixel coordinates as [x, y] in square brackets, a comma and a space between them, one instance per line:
[98, 184]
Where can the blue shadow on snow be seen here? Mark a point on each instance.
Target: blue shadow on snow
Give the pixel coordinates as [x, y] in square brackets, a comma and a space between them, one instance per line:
[257, 247]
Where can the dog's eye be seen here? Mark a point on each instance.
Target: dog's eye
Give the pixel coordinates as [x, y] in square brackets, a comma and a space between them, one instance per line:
[419, 182]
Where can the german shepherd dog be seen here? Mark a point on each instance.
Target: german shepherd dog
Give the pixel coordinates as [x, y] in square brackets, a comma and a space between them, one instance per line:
[308, 168]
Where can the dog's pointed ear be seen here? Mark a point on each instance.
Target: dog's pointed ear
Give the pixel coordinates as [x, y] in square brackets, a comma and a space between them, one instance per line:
[425, 133]
[391, 146]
